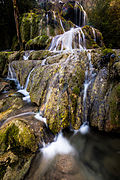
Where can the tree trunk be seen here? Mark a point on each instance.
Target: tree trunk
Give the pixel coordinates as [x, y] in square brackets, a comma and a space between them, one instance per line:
[16, 16]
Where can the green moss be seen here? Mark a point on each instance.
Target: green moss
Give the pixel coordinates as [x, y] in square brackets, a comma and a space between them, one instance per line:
[114, 103]
[39, 42]
[76, 90]
[17, 137]
[106, 51]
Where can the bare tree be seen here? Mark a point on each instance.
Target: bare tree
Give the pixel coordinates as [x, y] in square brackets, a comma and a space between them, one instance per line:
[16, 16]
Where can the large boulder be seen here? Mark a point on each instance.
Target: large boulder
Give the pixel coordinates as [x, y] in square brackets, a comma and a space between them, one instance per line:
[19, 140]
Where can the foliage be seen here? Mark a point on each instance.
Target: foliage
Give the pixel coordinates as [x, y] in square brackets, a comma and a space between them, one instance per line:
[105, 16]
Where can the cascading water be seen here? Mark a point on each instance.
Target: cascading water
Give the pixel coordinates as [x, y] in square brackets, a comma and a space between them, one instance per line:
[62, 25]
[11, 72]
[89, 75]
[24, 91]
[12, 75]
[48, 33]
[84, 16]
[65, 41]
[79, 15]
[56, 147]
[94, 34]
[26, 55]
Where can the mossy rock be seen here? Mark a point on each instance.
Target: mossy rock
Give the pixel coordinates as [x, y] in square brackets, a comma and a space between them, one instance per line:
[107, 51]
[94, 38]
[39, 42]
[17, 147]
[39, 55]
[9, 105]
[114, 103]
[23, 68]
[17, 136]
[29, 26]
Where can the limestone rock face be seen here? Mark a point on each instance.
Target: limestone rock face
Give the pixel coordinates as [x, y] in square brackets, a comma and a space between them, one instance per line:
[105, 97]
[56, 85]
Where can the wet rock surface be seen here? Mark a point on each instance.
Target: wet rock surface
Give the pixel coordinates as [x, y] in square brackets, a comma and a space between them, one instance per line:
[21, 135]
[56, 85]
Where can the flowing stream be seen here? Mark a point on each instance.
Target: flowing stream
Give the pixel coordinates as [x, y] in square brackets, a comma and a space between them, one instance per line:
[79, 157]
[24, 91]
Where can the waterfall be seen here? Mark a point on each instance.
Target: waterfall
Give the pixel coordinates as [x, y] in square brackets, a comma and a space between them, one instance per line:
[48, 33]
[62, 25]
[24, 91]
[39, 117]
[12, 75]
[80, 16]
[65, 41]
[60, 146]
[27, 55]
[84, 16]
[89, 75]
[94, 34]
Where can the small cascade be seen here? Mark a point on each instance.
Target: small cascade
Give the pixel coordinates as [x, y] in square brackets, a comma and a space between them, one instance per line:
[24, 91]
[48, 33]
[12, 75]
[62, 25]
[94, 34]
[40, 118]
[84, 20]
[89, 77]
[65, 41]
[59, 146]
[80, 16]
[27, 55]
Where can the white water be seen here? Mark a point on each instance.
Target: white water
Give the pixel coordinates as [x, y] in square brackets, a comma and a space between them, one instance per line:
[12, 75]
[62, 25]
[65, 41]
[18, 115]
[40, 118]
[27, 55]
[43, 62]
[24, 91]
[48, 33]
[84, 129]
[94, 34]
[60, 146]
[84, 16]
[89, 76]
[78, 20]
